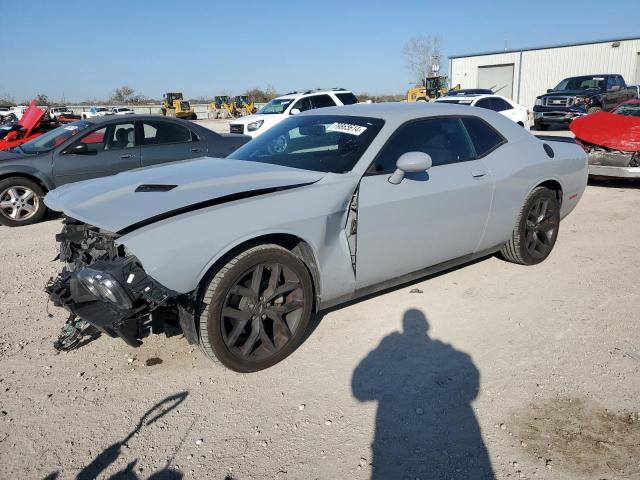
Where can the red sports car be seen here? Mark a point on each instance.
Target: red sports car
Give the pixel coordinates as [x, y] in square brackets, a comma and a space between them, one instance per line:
[611, 140]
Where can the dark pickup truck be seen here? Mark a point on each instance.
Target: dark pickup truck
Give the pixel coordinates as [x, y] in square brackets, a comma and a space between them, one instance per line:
[577, 96]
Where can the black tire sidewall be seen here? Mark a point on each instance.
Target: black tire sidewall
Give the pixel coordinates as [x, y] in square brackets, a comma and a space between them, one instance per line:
[211, 319]
[537, 195]
[37, 189]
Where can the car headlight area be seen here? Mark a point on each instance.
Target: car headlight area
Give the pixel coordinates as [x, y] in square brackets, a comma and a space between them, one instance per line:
[253, 126]
[104, 287]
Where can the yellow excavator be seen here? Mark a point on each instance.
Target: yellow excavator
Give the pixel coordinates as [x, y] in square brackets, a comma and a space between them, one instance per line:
[432, 88]
[174, 105]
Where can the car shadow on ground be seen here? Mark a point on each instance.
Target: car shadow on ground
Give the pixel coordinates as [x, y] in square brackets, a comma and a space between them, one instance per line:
[425, 424]
[605, 182]
[108, 456]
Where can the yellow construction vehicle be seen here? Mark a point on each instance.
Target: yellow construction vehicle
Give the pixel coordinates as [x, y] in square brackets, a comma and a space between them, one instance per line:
[433, 87]
[174, 105]
[222, 107]
[244, 106]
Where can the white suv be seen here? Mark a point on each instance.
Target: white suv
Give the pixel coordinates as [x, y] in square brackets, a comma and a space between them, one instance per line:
[290, 104]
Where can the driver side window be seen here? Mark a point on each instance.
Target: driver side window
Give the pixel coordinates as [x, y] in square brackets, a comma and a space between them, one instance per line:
[444, 139]
[94, 140]
[303, 104]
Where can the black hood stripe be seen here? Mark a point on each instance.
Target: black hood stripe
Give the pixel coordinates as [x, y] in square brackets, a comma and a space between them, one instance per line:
[208, 203]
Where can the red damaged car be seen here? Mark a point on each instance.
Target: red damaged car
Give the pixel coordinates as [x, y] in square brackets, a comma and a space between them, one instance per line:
[27, 128]
[611, 140]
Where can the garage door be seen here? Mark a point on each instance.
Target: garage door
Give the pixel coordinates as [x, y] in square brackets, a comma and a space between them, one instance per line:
[498, 78]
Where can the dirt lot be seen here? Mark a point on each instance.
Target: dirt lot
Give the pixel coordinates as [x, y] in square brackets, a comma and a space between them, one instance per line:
[490, 370]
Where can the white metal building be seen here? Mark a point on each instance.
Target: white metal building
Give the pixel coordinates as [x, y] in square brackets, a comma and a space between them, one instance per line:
[524, 74]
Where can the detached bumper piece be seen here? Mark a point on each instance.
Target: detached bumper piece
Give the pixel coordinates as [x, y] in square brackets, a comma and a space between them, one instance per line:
[109, 289]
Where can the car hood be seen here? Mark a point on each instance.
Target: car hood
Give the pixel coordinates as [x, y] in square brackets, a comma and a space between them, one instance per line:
[8, 156]
[571, 93]
[31, 118]
[619, 132]
[257, 116]
[121, 201]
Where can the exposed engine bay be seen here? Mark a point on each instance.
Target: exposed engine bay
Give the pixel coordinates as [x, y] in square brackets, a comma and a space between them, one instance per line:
[107, 291]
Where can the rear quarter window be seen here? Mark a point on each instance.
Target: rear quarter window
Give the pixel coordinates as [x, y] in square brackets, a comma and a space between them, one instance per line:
[485, 138]
[347, 98]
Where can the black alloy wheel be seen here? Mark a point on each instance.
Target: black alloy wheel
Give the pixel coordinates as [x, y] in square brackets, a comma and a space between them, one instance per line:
[536, 230]
[256, 309]
[540, 228]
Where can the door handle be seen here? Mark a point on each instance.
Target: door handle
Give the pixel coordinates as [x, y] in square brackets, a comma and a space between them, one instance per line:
[478, 173]
[127, 155]
[195, 150]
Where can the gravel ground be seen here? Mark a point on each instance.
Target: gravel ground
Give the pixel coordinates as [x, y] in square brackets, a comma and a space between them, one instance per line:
[488, 371]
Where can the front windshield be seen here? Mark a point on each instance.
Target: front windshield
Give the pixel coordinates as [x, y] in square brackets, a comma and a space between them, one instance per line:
[277, 105]
[52, 139]
[630, 109]
[322, 143]
[581, 83]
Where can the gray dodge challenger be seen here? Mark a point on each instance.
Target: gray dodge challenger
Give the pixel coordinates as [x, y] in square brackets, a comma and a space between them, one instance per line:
[95, 148]
[327, 206]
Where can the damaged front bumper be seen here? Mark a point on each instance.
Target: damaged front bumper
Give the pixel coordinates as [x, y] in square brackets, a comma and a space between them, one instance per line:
[604, 162]
[108, 288]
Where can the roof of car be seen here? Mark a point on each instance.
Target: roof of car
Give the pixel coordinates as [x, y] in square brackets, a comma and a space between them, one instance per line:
[396, 113]
[389, 110]
[302, 93]
[129, 118]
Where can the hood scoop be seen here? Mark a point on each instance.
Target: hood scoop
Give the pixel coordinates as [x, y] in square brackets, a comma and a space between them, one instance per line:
[150, 187]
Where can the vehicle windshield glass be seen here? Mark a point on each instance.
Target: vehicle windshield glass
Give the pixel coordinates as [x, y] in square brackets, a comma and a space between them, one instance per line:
[52, 139]
[322, 143]
[581, 83]
[630, 109]
[277, 105]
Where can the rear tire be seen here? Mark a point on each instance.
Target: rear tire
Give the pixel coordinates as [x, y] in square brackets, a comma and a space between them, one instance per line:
[21, 202]
[256, 309]
[536, 230]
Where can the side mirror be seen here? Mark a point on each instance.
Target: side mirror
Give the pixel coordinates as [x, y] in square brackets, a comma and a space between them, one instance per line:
[549, 90]
[410, 162]
[294, 111]
[77, 149]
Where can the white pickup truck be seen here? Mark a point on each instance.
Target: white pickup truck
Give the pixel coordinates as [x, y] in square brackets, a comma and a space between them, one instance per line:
[55, 112]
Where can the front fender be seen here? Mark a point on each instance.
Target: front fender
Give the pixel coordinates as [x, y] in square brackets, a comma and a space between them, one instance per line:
[25, 170]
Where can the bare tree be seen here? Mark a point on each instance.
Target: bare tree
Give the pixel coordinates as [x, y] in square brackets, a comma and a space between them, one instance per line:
[420, 53]
[42, 100]
[124, 95]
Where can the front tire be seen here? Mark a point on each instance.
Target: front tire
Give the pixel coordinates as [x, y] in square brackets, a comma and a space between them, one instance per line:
[256, 309]
[536, 230]
[21, 202]
[593, 110]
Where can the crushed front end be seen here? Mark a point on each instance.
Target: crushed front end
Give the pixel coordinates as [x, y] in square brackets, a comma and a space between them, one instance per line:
[609, 162]
[104, 286]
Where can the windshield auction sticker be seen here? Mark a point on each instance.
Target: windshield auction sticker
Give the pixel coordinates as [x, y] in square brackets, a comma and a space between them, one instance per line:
[346, 128]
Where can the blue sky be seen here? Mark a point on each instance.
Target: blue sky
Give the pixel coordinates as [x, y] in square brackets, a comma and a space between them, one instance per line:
[86, 49]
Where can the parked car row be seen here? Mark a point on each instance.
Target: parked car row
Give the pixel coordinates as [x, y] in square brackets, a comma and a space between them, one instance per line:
[96, 147]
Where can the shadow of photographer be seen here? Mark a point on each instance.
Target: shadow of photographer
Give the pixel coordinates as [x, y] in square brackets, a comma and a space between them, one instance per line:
[425, 425]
